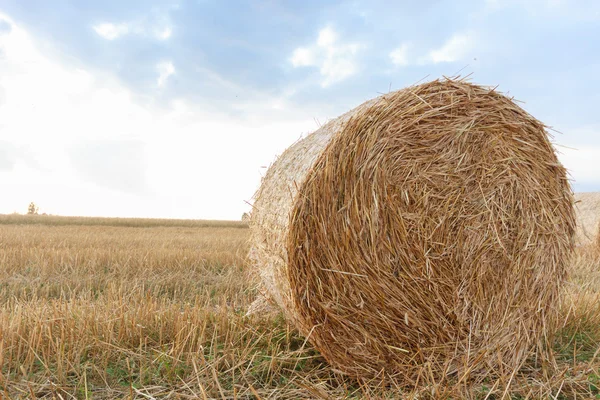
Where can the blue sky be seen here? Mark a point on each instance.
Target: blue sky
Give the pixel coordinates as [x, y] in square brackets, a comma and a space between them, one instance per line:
[172, 108]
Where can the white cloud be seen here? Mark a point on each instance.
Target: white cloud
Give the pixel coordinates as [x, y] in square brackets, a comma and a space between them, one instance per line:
[165, 70]
[399, 55]
[57, 120]
[327, 37]
[160, 30]
[455, 49]
[79, 143]
[303, 57]
[164, 33]
[111, 31]
[336, 60]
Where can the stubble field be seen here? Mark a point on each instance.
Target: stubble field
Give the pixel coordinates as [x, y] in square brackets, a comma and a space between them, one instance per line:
[96, 308]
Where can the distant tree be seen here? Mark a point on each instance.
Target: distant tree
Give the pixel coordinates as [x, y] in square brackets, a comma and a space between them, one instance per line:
[32, 209]
[245, 217]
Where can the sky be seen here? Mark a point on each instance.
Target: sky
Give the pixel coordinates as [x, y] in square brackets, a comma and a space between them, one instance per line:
[174, 109]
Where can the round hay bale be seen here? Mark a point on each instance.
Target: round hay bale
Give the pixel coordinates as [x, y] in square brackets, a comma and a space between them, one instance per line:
[587, 207]
[424, 233]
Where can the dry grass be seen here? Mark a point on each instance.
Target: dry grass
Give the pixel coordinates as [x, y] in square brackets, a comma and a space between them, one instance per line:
[158, 312]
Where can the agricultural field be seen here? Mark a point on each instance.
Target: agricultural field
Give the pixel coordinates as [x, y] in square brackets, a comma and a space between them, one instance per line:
[96, 308]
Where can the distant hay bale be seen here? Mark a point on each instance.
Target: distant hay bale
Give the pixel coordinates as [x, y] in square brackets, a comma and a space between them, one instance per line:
[423, 234]
[587, 206]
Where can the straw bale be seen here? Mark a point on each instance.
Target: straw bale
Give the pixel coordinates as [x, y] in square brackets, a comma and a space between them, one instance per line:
[423, 234]
[587, 206]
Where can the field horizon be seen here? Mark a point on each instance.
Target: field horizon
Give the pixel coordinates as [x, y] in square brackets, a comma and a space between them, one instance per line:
[51, 219]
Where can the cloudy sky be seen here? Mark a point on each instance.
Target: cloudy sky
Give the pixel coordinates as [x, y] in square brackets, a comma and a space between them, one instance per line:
[150, 108]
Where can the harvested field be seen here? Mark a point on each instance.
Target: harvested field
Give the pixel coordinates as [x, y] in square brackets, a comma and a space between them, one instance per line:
[104, 312]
